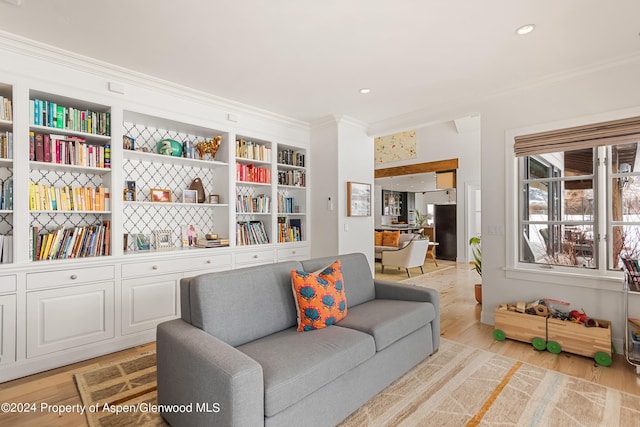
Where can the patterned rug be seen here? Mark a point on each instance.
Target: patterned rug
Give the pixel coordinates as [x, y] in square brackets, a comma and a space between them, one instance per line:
[464, 386]
[458, 386]
[121, 394]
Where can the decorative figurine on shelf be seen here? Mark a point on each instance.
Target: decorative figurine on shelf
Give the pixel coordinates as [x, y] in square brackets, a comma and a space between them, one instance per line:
[169, 147]
[197, 185]
[210, 147]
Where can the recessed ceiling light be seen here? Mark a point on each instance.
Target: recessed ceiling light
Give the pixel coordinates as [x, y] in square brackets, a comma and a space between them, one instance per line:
[365, 90]
[525, 29]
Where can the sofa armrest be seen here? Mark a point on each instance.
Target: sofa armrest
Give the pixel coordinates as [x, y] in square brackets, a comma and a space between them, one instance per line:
[392, 290]
[223, 385]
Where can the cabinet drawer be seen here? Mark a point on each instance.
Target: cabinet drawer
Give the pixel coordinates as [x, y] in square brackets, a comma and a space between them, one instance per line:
[8, 283]
[298, 253]
[219, 262]
[72, 276]
[254, 257]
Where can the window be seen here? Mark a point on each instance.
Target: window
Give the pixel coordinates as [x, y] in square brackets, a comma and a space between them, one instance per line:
[579, 202]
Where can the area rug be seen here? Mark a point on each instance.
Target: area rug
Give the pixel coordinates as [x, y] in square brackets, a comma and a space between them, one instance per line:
[465, 386]
[457, 386]
[396, 275]
[121, 393]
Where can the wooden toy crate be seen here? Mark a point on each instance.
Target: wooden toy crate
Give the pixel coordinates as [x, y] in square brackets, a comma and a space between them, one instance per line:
[520, 326]
[576, 338]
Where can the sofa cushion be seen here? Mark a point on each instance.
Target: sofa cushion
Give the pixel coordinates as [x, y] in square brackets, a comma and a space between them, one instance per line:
[390, 238]
[389, 320]
[242, 305]
[319, 297]
[356, 272]
[295, 365]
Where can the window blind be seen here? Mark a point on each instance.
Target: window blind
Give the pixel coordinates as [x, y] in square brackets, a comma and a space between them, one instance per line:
[621, 131]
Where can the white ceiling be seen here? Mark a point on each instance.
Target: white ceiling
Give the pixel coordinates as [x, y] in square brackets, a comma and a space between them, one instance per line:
[307, 59]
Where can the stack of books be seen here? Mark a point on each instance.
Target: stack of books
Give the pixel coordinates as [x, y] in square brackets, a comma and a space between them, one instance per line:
[211, 243]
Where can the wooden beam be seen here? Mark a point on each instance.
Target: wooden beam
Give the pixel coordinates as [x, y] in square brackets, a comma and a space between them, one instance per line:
[437, 166]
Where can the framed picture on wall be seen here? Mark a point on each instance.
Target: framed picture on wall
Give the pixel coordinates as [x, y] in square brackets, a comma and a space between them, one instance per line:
[358, 199]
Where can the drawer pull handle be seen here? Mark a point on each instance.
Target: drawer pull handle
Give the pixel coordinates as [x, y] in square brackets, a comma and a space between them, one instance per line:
[255, 256]
[293, 252]
[74, 276]
[208, 261]
[155, 267]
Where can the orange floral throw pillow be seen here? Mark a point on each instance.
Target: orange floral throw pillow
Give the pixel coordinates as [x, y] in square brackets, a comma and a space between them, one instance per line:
[320, 297]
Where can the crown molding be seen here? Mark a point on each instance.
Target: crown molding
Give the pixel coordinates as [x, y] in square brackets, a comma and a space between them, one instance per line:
[24, 46]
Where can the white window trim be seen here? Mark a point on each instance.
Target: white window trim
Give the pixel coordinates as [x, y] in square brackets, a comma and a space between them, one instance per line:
[514, 269]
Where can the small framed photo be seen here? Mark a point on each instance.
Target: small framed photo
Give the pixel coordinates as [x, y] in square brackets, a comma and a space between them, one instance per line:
[129, 195]
[160, 195]
[214, 199]
[190, 196]
[125, 242]
[163, 239]
[142, 242]
[189, 235]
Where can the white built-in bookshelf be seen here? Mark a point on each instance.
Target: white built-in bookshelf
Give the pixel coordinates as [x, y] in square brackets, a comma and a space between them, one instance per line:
[83, 182]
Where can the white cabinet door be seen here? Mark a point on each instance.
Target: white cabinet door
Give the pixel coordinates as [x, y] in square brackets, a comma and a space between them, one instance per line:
[7, 329]
[147, 301]
[59, 319]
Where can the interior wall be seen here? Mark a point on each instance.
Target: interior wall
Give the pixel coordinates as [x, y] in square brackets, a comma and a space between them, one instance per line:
[603, 94]
[355, 157]
[325, 203]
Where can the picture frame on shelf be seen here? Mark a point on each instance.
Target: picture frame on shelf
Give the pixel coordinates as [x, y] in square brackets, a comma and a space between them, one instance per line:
[142, 242]
[125, 242]
[163, 239]
[128, 143]
[189, 196]
[358, 199]
[160, 195]
[214, 199]
[128, 195]
[189, 235]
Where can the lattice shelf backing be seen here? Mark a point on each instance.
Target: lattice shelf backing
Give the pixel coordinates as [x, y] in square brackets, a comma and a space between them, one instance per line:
[148, 137]
[146, 219]
[49, 221]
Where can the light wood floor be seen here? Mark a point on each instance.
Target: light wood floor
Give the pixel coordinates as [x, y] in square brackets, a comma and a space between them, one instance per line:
[460, 322]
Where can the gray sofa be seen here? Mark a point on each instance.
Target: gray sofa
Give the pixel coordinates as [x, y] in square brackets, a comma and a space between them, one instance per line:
[236, 359]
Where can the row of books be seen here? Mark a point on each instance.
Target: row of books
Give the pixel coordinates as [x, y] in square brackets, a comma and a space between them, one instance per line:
[75, 242]
[291, 232]
[251, 204]
[50, 114]
[6, 110]
[6, 197]
[68, 150]
[6, 249]
[6, 145]
[290, 157]
[252, 150]
[251, 173]
[632, 266]
[297, 178]
[251, 233]
[286, 204]
[42, 197]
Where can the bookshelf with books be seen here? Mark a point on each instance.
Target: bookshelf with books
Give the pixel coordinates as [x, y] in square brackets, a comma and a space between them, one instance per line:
[291, 194]
[68, 232]
[69, 178]
[254, 200]
[6, 173]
